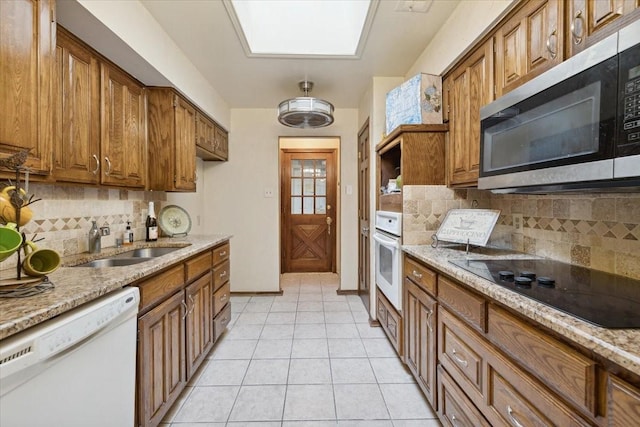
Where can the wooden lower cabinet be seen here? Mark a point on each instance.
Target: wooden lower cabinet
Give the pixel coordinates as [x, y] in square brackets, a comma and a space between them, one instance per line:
[454, 407]
[420, 337]
[391, 322]
[623, 402]
[199, 329]
[182, 314]
[161, 359]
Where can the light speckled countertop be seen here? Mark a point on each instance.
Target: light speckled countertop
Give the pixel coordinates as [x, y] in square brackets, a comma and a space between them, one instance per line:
[620, 346]
[77, 285]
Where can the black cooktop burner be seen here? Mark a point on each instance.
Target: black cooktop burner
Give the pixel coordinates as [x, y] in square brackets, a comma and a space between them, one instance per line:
[600, 298]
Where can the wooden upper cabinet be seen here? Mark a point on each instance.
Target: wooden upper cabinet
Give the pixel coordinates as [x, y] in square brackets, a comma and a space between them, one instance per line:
[589, 21]
[172, 141]
[470, 86]
[27, 31]
[529, 43]
[124, 136]
[212, 142]
[76, 147]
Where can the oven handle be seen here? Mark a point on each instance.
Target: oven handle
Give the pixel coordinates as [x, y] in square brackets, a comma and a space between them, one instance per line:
[386, 241]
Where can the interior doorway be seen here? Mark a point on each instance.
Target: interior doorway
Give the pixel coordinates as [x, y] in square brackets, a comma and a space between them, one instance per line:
[309, 209]
[364, 259]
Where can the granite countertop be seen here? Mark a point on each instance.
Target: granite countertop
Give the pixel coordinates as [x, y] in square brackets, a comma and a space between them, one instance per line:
[620, 346]
[78, 285]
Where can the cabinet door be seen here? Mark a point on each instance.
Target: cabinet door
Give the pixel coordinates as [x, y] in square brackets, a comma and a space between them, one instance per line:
[185, 153]
[590, 21]
[199, 330]
[221, 144]
[471, 87]
[528, 44]
[161, 362]
[27, 31]
[205, 130]
[420, 342]
[623, 403]
[123, 143]
[77, 114]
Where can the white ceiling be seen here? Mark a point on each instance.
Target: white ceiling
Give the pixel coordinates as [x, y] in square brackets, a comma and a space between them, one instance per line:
[203, 30]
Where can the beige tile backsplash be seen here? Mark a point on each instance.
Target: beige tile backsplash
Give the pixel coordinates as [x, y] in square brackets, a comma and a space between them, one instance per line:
[596, 230]
[63, 216]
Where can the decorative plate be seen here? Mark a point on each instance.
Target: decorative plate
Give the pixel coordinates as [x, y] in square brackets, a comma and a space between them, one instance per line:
[174, 220]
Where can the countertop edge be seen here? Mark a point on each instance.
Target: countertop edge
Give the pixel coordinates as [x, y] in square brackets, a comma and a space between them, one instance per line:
[71, 287]
[620, 346]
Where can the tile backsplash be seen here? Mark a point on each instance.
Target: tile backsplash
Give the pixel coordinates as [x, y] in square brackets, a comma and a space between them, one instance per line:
[63, 216]
[596, 230]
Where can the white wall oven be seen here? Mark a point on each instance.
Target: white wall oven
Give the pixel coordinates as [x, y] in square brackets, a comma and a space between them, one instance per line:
[388, 252]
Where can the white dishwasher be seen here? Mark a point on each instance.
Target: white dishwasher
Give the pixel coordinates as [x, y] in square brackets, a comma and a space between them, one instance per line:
[75, 370]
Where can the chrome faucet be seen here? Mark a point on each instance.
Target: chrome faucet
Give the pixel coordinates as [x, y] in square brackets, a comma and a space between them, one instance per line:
[95, 242]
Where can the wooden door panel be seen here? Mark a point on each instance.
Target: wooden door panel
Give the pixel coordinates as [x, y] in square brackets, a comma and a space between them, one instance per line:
[185, 128]
[308, 210]
[27, 31]
[364, 244]
[603, 12]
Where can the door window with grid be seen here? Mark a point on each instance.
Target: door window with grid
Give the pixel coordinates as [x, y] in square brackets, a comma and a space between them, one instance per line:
[308, 186]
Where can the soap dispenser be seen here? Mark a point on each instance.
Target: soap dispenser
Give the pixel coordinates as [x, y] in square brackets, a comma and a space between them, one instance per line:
[128, 235]
[94, 239]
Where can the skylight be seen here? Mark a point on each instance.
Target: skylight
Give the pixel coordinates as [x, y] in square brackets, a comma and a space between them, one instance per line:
[302, 27]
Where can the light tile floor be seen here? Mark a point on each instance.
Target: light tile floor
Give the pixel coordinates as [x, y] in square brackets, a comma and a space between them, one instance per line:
[307, 358]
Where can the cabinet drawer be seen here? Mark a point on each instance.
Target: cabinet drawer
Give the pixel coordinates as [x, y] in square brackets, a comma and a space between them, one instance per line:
[221, 298]
[560, 367]
[198, 265]
[381, 311]
[221, 274]
[160, 286]
[623, 406]
[221, 321]
[461, 353]
[466, 304]
[421, 275]
[454, 408]
[221, 253]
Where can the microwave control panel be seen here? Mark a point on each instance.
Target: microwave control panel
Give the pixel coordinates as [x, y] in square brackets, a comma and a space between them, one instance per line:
[631, 114]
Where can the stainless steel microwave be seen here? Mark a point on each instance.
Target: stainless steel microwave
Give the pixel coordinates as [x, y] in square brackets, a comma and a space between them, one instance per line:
[574, 127]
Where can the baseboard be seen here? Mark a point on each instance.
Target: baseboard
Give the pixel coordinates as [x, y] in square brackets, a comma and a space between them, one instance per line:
[347, 292]
[256, 294]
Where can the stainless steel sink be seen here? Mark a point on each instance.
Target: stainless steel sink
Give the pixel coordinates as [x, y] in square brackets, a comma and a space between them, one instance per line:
[135, 256]
[113, 262]
[146, 252]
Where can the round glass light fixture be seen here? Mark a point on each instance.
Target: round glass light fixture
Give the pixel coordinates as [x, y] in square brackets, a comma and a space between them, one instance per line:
[305, 111]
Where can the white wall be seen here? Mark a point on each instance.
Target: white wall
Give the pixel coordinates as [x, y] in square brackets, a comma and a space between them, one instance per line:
[234, 199]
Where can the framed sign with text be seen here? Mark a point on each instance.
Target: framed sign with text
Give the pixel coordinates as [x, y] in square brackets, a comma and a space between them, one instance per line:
[472, 226]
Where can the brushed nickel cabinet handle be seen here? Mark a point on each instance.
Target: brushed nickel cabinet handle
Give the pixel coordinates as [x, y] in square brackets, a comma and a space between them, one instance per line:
[514, 421]
[224, 273]
[108, 171]
[577, 38]
[429, 316]
[416, 275]
[454, 421]
[223, 298]
[553, 53]
[458, 359]
[186, 309]
[222, 253]
[95, 171]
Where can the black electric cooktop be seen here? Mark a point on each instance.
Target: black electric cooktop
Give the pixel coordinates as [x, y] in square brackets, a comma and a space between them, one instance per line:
[597, 297]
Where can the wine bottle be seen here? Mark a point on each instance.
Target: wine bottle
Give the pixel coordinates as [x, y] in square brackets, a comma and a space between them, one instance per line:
[152, 224]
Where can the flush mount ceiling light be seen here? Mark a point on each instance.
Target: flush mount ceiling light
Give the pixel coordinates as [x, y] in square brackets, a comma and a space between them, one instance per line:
[305, 111]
